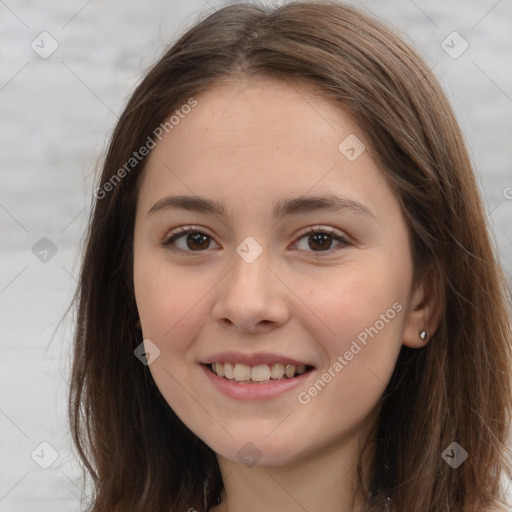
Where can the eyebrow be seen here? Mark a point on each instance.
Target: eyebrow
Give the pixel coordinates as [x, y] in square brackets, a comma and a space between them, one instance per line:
[281, 209]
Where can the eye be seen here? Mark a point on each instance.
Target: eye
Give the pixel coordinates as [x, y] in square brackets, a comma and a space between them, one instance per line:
[194, 240]
[321, 239]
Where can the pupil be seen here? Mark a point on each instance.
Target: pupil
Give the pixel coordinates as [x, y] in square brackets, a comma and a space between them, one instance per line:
[196, 239]
[321, 239]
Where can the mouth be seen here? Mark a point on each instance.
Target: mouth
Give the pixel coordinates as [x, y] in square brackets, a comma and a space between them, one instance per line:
[257, 374]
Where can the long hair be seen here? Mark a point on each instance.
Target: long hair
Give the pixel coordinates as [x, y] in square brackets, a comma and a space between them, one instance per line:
[456, 389]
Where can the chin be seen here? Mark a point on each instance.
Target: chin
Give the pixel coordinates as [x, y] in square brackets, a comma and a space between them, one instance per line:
[251, 452]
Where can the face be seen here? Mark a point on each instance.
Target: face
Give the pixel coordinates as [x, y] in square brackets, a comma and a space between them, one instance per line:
[275, 275]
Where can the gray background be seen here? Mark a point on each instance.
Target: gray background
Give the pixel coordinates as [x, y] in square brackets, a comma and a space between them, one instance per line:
[56, 115]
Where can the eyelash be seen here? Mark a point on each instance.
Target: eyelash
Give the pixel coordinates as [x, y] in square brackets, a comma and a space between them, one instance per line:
[182, 231]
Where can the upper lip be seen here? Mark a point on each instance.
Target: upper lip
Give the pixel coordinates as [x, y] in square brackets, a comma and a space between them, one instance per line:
[252, 359]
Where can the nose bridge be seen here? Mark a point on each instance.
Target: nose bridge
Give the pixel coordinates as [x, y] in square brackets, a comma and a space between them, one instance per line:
[250, 269]
[250, 296]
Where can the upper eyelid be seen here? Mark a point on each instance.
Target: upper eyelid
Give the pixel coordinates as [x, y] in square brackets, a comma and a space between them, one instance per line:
[183, 230]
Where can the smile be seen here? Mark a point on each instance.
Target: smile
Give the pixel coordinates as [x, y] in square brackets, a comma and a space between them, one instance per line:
[261, 373]
[263, 381]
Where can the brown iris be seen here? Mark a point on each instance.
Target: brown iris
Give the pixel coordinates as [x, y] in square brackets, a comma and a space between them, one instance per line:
[320, 238]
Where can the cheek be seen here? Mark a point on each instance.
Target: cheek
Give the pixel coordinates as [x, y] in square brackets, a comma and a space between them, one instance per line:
[167, 301]
[355, 299]
[170, 303]
[363, 314]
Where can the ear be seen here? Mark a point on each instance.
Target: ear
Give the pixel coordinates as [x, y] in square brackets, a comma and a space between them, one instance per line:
[424, 311]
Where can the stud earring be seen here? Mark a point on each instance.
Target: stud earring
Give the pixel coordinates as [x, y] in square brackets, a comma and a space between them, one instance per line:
[423, 334]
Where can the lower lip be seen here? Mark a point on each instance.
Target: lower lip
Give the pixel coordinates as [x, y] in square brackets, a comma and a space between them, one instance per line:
[245, 391]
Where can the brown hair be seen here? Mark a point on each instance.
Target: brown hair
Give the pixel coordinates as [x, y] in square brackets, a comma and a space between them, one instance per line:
[457, 388]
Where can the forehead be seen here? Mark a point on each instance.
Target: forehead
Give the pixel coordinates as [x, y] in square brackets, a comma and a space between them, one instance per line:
[257, 112]
[259, 138]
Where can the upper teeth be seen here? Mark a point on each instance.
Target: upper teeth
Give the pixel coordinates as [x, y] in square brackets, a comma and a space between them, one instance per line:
[258, 373]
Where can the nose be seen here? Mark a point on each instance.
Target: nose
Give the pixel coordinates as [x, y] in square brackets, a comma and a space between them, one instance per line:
[251, 298]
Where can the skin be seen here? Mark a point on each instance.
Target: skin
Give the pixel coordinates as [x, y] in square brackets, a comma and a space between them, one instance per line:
[249, 144]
